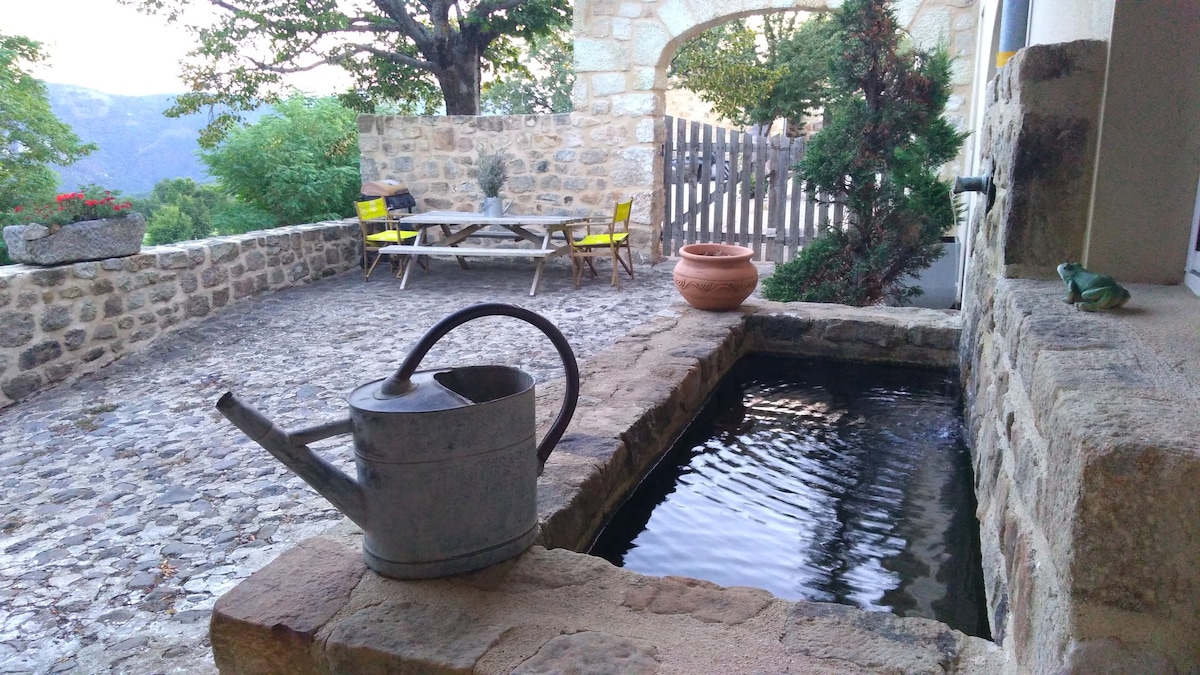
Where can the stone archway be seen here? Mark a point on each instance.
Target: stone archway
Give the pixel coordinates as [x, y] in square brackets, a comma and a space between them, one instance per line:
[622, 49]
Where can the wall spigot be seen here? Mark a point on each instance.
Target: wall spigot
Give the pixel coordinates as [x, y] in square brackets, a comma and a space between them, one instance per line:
[981, 184]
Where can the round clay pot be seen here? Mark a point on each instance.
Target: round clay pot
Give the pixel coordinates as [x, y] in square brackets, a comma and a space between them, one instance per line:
[716, 277]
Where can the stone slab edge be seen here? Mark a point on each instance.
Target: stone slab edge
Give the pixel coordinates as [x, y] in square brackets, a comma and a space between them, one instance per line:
[555, 611]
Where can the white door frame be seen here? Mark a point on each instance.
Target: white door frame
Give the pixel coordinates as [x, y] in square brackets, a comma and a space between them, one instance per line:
[1191, 275]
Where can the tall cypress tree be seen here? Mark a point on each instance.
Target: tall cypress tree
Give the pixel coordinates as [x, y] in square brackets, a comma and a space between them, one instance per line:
[878, 155]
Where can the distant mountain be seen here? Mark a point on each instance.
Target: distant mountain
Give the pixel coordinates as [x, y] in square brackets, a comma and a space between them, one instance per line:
[139, 146]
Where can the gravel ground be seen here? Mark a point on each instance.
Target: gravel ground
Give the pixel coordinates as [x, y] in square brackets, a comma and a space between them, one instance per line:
[130, 505]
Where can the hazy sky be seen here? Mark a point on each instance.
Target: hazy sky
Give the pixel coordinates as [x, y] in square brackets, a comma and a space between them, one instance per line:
[107, 46]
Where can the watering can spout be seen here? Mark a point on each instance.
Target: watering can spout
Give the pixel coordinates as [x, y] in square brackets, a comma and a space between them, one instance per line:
[292, 449]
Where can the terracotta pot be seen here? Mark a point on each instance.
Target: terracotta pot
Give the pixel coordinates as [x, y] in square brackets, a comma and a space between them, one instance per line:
[716, 277]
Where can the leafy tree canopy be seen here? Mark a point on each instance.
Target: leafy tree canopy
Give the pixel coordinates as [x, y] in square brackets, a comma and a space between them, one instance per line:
[752, 78]
[180, 209]
[879, 153]
[541, 88]
[31, 137]
[300, 163]
[168, 225]
[405, 50]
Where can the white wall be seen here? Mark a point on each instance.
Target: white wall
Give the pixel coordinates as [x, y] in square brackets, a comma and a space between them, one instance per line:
[1052, 21]
[1149, 155]
[1149, 150]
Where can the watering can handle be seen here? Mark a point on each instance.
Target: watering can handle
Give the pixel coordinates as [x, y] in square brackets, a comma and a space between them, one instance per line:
[399, 383]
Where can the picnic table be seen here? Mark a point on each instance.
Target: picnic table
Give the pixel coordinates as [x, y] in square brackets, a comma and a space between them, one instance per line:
[441, 233]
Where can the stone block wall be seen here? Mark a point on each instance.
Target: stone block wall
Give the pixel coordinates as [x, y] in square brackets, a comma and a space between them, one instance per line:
[560, 165]
[63, 321]
[1086, 463]
[623, 50]
[1039, 141]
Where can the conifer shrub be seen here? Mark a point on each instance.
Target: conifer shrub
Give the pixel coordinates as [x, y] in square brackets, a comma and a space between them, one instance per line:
[878, 155]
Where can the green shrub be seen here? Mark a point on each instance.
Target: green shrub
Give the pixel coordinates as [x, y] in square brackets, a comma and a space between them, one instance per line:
[878, 155]
[169, 225]
[237, 218]
[300, 163]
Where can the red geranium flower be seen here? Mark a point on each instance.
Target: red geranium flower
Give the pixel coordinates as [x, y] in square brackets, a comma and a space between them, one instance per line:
[89, 203]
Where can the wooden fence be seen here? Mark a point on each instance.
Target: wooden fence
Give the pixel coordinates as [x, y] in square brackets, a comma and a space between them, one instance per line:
[737, 188]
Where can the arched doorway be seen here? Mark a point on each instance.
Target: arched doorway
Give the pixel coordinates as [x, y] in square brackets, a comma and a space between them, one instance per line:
[621, 55]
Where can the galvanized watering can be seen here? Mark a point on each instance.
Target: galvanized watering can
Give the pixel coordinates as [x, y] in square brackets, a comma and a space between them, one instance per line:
[447, 468]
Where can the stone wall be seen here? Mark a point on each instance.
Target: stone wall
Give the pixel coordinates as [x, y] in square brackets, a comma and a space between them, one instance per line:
[623, 50]
[1039, 143]
[1086, 462]
[63, 321]
[560, 164]
[610, 147]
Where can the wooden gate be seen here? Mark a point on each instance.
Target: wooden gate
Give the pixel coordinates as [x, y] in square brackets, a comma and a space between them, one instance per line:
[736, 188]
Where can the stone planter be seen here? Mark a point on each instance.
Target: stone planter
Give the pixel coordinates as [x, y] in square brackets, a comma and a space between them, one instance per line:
[87, 240]
[715, 277]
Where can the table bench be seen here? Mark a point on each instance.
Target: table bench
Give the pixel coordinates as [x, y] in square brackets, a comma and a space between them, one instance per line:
[467, 252]
[551, 241]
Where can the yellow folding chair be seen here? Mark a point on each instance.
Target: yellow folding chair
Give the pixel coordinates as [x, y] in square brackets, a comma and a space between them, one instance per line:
[604, 238]
[379, 229]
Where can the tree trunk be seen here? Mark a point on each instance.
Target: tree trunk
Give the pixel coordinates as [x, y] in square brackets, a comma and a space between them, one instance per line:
[460, 87]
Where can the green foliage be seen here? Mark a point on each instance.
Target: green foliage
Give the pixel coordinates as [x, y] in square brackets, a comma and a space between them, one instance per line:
[300, 163]
[801, 54]
[523, 93]
[493, 172]
[191, 198]
[878, 155]
[754, 79]
[808, 278]
[180, 209]
[31, 137]
[236, 217]
[169, 225]
[89, 202]
[404, 50]
[723, 66]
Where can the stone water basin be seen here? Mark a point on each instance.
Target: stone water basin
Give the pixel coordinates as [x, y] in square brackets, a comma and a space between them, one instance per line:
[318, 609]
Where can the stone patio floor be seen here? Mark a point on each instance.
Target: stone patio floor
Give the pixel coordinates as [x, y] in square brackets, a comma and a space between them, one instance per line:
[130, 505]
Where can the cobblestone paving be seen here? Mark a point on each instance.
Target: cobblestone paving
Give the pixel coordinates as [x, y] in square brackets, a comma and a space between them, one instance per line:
[129, 504]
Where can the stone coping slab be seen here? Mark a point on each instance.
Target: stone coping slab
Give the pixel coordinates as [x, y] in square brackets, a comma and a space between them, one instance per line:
[77, 242]
[1087, 466]
[318, 609]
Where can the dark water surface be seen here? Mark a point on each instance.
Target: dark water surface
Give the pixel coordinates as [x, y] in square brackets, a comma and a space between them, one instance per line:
[818, 480]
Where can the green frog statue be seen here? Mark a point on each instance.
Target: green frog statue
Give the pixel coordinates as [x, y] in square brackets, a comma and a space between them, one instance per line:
[1090, 291]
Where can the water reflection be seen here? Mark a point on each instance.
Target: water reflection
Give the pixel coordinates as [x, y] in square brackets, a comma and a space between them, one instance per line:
[818, 481]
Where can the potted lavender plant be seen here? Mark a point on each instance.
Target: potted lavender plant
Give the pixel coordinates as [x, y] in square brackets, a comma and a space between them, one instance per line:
[493, 172]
